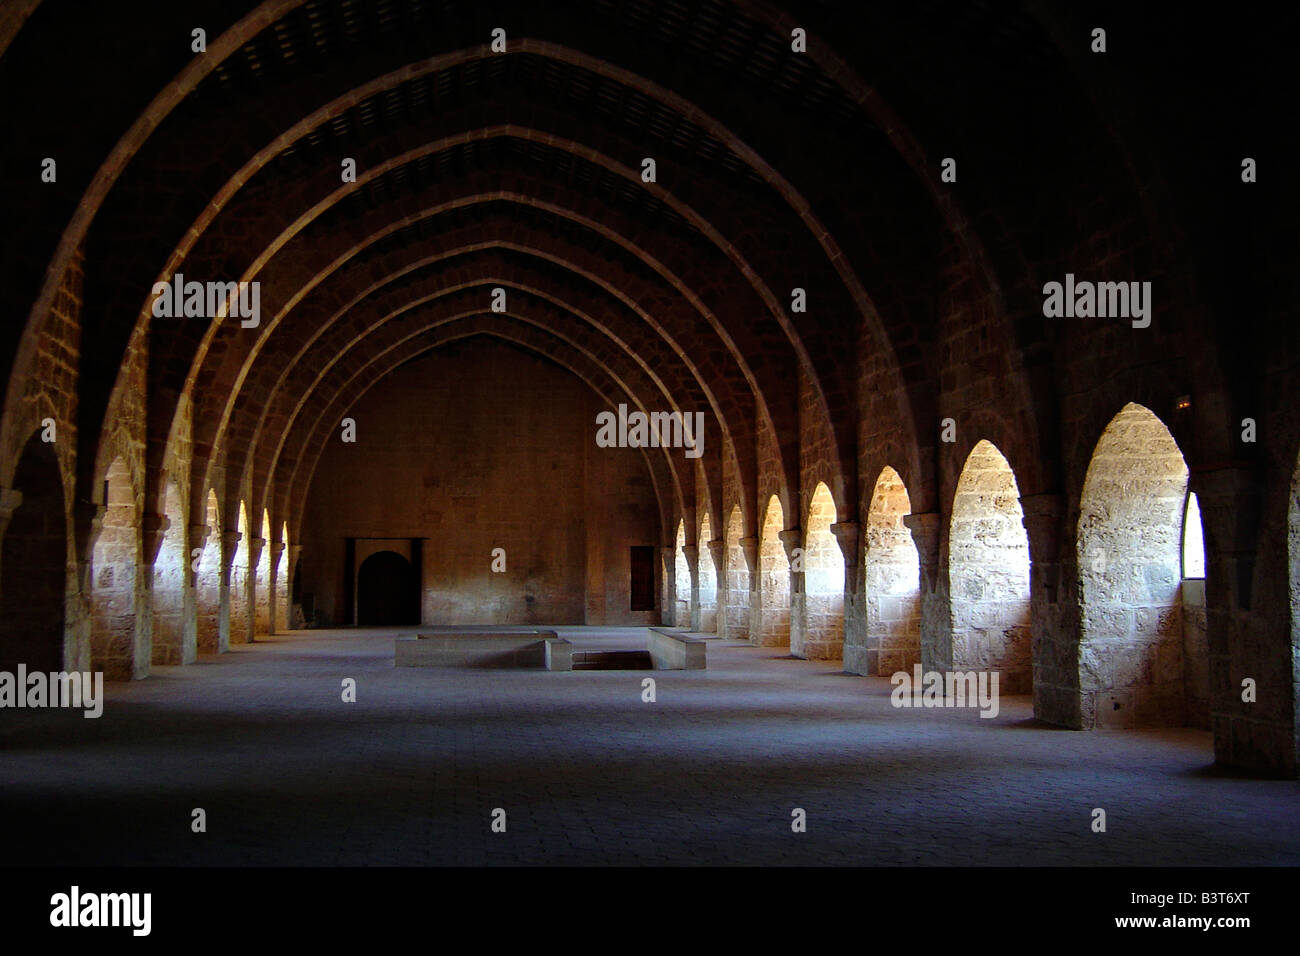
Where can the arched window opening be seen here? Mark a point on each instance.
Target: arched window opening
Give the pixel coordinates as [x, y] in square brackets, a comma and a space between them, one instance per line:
[1193, 539]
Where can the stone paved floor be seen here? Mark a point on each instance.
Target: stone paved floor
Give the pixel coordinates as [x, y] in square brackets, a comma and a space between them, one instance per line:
[589, 774]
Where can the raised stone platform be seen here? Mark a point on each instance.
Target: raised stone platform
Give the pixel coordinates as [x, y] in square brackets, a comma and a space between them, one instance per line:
[484, 647]
[674, 650]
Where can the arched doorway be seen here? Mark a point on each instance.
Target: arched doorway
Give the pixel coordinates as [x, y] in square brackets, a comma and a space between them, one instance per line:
[1142, 662]
[893, 580]
[387, 592]
[988, 573]
[33, 565]
[773, 581]
[823, 582]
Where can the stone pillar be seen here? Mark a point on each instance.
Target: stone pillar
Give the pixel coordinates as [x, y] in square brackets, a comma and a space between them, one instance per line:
[936, 609]
[197, 539]
[692, 554]
[925, 530]
[1055, 644]
[1247, 634]
[295, 552]
[153, 529]
[11, 500]
[668, 585]
[792, 541]
[229, 542]
[88, 524]
[255, 546]
[277, 549]
[749, 547]
[718, 551]
[848, 534]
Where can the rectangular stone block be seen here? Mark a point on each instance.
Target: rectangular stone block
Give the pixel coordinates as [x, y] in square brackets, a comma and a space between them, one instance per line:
[483, 648]
[674, 651]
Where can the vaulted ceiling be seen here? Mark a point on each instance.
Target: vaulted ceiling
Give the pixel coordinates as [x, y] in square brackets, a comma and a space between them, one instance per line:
[476, 169]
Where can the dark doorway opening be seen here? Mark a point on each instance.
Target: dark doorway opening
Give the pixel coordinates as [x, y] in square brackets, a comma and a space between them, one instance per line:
[643, 578]
[388, 592]
[33, 566]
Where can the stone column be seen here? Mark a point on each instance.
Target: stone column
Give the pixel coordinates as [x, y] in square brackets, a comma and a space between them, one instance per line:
[848, 534]
[668, 585]
[692, 554]
[925, 530]
[153, 529]
[11, 500]
[1247, 633]
[277, 549]
[196, 540]
[1055, 643]
[229, 542]
[1042, 521]
[936, 609]
[792, 541]
[718, 551]
[255, 546]
[749, 548]
[295, 552]
[88, 524]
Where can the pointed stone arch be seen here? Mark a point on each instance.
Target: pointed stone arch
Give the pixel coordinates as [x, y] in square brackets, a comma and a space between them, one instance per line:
[988, 572]
[1138, 664]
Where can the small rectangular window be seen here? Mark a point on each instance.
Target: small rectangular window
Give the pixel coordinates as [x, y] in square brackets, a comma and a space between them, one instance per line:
[643, 578]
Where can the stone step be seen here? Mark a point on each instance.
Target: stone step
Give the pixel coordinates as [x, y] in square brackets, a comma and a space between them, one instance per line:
[612, 661]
